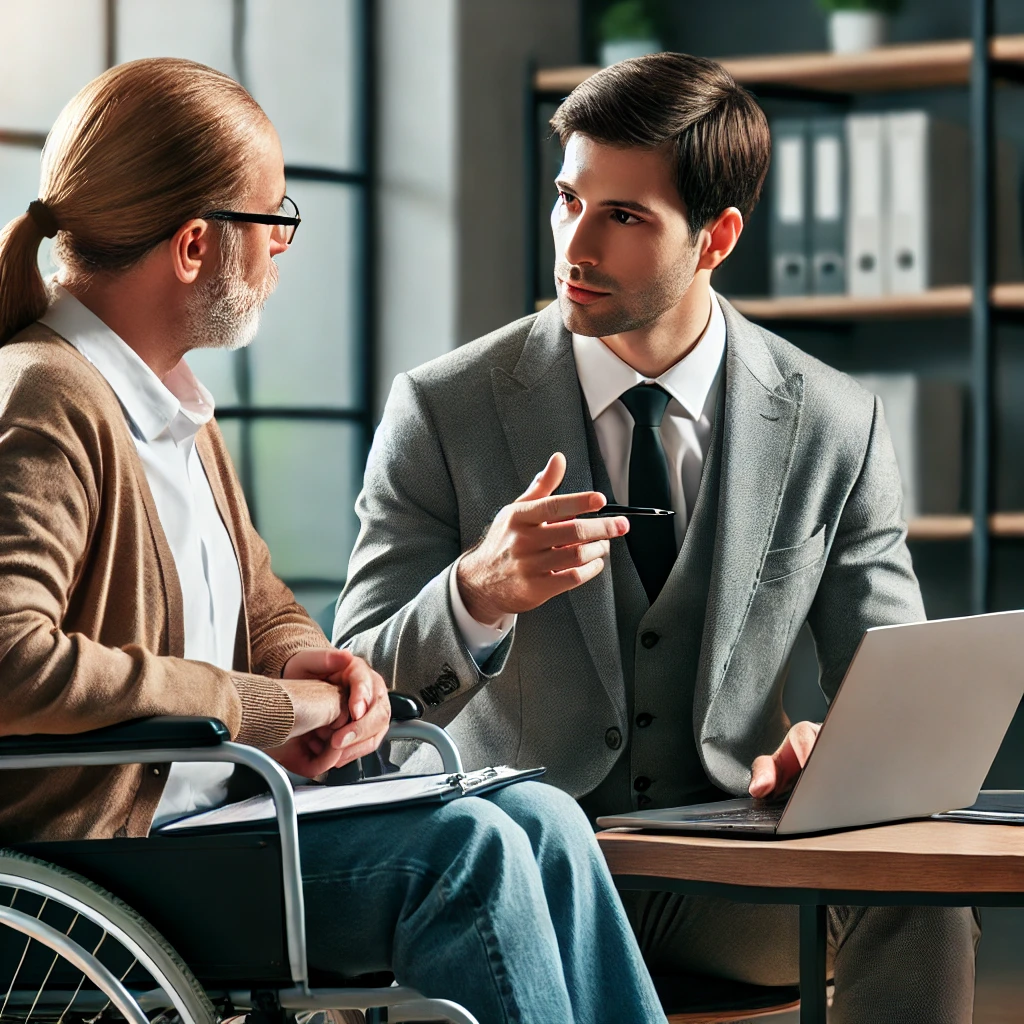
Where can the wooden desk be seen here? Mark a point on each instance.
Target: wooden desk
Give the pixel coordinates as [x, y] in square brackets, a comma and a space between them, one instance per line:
[921, 863]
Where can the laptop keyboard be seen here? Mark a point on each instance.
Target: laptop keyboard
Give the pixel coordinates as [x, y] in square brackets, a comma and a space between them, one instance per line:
[770, 814]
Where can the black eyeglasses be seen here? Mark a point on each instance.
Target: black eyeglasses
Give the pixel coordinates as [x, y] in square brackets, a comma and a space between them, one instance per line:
[286, 221]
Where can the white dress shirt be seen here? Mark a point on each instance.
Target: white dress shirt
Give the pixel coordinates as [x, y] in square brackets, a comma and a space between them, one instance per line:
[164, 418]
[692, 384]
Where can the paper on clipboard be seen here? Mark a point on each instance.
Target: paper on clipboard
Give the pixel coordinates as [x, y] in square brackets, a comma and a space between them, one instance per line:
[389, 791]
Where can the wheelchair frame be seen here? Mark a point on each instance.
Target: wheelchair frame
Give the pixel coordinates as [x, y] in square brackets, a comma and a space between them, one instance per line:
[400, 1002]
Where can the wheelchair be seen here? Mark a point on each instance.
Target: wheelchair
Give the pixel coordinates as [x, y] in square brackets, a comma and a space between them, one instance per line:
[165, 928]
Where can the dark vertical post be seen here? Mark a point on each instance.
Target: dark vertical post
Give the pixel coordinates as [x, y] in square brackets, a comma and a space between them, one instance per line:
[368, 221]
[982, 171]
[531, 168]
[813, 946]
[110, 30]
[243, 367]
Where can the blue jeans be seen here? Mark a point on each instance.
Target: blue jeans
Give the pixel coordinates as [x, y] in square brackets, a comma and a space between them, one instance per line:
[502, 903]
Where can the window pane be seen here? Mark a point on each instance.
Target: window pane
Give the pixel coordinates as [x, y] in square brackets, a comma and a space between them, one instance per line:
[199, 30]
[306, 477]
[217, 369]
[303, 68]
[306, 352]
[232, 431]
[19, 185]
[50, 50]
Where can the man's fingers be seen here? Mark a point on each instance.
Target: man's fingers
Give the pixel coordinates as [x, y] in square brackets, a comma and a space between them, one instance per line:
[775, 775]
[546, 480]
[558, 507]
[570, 579]
[361, 680]
[580, 531]
[316, 663]
[762, 777]
[579, 555]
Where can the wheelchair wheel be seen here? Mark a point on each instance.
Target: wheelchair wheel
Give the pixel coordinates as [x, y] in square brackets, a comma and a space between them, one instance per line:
[71, 952]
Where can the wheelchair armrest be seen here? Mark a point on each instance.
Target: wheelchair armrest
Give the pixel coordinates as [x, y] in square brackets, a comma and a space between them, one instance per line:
[404, 708]
[159, 732]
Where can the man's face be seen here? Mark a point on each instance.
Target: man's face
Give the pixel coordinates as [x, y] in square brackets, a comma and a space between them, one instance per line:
[225, 309]
[624, 254]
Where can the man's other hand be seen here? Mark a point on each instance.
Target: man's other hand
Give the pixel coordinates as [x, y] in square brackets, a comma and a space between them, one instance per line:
[536, 548]
[342, 710]
[774, 775]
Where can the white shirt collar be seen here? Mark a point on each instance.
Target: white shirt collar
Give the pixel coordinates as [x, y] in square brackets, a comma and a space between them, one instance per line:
[604, 376]
[179, 402]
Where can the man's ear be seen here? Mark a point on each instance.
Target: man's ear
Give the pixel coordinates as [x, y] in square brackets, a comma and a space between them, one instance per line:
[191, 244]
[719, 238]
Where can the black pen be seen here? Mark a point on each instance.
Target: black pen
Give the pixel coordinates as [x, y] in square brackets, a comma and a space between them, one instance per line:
[625, 510]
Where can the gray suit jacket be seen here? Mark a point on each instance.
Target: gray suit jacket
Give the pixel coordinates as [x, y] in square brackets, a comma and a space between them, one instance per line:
[809, 529]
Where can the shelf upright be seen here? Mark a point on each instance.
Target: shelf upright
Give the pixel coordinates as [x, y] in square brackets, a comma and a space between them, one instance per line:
[982, 229]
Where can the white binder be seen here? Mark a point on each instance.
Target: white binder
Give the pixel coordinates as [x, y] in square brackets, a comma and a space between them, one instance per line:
[928, 237]
[789, 226]
[865, 144]
[827, 208]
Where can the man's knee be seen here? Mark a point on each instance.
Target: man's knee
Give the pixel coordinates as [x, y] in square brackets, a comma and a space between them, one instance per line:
[542, 809]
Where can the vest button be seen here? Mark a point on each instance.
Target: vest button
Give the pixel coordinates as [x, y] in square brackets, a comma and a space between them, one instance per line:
[643, 801]
[649, 638]
[641, 783]
[643, 720]
[613, 738]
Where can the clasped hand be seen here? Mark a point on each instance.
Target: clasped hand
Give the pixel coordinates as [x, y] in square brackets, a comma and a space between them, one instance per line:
[342, 711]
[536, 548]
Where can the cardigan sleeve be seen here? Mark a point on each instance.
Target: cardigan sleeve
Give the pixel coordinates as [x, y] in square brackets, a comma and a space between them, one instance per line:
[52, 681]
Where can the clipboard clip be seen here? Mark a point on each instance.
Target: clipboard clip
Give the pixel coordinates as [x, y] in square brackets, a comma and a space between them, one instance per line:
[467, 782]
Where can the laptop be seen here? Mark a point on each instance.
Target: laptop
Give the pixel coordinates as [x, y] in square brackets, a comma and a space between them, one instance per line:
[913, 730]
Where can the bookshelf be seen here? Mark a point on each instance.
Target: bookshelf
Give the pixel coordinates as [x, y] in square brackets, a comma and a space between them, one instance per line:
[938, 302]
[886, 69]
[975, 63]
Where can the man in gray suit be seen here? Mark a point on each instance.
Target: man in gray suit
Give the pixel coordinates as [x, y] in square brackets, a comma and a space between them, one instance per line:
[643, 659]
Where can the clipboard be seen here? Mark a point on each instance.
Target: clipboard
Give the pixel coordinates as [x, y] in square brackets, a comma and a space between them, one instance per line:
[391, 791]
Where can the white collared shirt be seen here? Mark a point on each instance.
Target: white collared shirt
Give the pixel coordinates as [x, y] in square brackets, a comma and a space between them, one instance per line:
[692, 384]
[164, 418]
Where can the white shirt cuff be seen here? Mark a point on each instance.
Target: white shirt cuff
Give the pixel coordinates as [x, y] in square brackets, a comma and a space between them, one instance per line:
[480, 640]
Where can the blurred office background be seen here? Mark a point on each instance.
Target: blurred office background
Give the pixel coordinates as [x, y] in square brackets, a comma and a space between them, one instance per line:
[413, 135]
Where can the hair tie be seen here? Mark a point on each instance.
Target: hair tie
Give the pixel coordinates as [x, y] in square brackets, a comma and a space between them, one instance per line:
[43, 217]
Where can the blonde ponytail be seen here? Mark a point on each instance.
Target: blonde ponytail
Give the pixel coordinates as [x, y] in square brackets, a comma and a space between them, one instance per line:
[23, 295]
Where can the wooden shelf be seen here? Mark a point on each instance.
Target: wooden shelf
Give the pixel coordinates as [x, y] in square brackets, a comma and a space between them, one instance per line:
[938, 302]
[912, 66]
[1000, 524]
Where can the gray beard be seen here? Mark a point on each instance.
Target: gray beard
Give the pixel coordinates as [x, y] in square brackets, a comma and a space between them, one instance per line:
[225, 312]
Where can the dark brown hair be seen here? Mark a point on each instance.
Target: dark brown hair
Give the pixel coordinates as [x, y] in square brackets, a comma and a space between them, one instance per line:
[715, 131]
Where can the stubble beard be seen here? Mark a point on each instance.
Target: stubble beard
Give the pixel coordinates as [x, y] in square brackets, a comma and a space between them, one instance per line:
[225, 312]
[621, 313]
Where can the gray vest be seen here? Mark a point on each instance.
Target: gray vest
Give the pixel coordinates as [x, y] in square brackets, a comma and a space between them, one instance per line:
[660, 647]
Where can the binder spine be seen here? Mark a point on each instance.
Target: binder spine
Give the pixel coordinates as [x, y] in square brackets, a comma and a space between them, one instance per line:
[828, 202]
[790, 272]
[866, 204]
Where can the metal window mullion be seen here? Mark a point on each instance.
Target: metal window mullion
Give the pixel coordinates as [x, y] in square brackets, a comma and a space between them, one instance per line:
[982, 222]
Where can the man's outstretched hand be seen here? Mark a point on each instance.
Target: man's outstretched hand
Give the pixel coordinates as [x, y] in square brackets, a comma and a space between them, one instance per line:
[342, 711]
[774, 775]
[536, 548]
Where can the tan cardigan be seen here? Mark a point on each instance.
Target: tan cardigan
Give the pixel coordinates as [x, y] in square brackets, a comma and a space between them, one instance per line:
[91, 623]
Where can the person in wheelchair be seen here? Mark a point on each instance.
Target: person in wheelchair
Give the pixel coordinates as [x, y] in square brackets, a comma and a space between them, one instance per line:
[132, 582]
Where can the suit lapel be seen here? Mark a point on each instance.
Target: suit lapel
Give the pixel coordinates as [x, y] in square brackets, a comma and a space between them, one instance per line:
[762, 420]
[541, 412]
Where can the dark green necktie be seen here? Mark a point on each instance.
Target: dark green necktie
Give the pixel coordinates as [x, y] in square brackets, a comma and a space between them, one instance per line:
[651, 539]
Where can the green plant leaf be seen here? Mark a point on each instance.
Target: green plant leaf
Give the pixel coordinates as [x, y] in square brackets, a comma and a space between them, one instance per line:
[627, 19]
